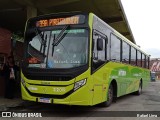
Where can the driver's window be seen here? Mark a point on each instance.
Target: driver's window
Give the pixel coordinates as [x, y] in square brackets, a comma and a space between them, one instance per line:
[99, 56]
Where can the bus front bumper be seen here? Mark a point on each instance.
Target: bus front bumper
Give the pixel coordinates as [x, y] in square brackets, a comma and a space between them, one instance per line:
[82, 96]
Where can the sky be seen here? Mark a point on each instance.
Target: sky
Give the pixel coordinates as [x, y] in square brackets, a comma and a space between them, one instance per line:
[144, 19]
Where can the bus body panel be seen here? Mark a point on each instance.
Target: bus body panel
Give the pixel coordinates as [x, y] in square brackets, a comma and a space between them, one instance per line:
[127, 78]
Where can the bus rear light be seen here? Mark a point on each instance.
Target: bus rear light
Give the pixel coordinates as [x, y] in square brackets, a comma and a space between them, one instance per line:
[79, 84]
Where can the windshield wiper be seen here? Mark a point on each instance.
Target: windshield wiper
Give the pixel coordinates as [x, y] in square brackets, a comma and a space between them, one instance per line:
[60, 36]
[42, 40]
[44, 45]
[53, 44]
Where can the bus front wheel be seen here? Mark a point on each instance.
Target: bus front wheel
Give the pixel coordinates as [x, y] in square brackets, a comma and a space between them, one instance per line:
[109, 97]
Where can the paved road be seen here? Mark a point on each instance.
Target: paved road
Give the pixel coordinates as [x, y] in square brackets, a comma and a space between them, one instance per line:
[148, 101]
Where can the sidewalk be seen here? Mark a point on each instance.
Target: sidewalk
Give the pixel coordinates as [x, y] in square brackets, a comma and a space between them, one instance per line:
[6, 103]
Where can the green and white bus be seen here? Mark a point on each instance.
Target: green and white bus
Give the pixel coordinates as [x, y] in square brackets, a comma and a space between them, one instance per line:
[78, 59]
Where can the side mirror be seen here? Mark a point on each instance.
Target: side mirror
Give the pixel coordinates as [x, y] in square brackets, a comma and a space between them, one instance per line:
[99, 44]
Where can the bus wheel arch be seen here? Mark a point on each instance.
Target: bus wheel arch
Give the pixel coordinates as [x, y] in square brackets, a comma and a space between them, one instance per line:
[115, 89]
[141, 82]
[112, 92]
[139, 91]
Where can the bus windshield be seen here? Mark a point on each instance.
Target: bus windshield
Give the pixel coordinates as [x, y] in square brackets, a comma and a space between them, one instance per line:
[60, 48]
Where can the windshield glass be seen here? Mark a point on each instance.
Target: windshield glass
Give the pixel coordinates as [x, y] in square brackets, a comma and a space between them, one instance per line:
[58, 49]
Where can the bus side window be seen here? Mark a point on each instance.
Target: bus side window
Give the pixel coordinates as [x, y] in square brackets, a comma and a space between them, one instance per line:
[139, 59]
[98, 53]
[133, 56]
[115, 48]
[143, 61]
[125, 52]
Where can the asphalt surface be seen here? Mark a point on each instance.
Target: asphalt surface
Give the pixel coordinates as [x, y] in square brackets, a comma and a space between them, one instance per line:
[147, 105]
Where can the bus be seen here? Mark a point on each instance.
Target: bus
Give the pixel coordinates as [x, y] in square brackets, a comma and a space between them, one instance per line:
[78, 59]
[153, 76]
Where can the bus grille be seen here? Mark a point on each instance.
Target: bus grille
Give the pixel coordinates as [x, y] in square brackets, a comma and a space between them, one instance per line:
[50, 78]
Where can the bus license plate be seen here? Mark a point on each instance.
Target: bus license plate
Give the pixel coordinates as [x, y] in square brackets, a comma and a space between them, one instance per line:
[45, 100]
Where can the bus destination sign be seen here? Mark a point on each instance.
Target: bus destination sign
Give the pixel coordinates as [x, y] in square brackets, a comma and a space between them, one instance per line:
[60, 21]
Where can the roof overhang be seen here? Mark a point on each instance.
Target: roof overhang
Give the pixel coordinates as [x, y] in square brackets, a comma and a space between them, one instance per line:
[14, 14]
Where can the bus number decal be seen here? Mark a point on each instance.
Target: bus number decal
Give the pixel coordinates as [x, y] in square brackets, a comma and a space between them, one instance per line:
[59, 89]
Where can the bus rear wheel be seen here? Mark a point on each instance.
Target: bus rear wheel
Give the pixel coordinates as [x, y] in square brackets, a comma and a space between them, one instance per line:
[139, 91]
[109, 97]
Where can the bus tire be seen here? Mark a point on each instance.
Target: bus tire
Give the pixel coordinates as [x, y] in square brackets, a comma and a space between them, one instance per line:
[139, 91]
[110, 97]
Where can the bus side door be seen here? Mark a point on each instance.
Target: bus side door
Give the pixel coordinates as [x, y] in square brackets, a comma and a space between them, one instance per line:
[98, 65]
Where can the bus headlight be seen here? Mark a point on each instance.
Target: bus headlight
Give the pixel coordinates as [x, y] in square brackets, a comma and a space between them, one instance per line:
[23, 82]
[79, 84]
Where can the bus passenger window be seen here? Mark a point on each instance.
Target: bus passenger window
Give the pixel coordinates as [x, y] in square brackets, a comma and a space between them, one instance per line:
[143, 61]
[115, 48]
[139, 59]
[133, 56]
[125, 52]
